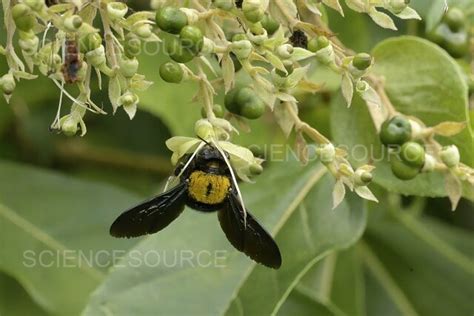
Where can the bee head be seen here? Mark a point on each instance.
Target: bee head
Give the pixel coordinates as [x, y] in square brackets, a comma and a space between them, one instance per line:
[209, 159]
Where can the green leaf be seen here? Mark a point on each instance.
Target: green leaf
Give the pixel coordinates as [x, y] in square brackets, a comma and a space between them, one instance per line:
[305, 232]
[14, 300]
[406, 265]
[433, 90]
[418, 89]
[48, 222]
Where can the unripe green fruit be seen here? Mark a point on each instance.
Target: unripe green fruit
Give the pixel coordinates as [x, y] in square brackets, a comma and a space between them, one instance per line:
[177, 52]
[89, 42]
[217, 109]
[171, 20]
[413, 154]
[317, 43]
[402, 170]
[244, 102]
[362, 61]
[395, 131]
[191, 37]
[171, 72]
[455, 19]
[270, 24]
[23, 17]
[132, 45]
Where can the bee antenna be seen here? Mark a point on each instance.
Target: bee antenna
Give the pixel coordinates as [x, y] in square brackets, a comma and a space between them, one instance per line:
[207, 143]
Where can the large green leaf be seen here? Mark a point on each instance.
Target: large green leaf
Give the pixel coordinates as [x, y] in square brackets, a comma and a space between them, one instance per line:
[305, 232]
[433, 91]
[424, 81]
[55, 238]
[405, 265]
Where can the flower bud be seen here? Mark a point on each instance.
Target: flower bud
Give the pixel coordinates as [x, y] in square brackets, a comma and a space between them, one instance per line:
[326, 55]
[242, 49]
[128, 67]
[70, 125]
[253, 10]
[430, 163]
[284, 51]
[143, 31]
[90, 42]
[397, 6]
[326, 153]
[7, 83]
[29, 46]
[72, 23]
[255, 169]
[362, 177]
[96, 57]
[208, 46]
[203, 129]
[257, 39]
[128, 99]
[450, 156]
[116, 10]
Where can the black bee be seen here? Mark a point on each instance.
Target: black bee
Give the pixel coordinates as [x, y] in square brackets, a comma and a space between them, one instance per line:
[299, 39]
[205, 185]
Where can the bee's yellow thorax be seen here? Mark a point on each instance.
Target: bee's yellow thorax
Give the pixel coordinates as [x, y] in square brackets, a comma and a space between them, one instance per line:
[208, 188]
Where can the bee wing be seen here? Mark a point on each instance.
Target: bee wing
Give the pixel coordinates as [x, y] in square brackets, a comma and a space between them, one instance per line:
[252, 239]
[151, 216]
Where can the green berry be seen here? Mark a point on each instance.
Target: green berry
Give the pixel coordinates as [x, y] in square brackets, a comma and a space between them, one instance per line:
[191, 37]
[402, 170]
[244, 102]
[177, 52]
[89, 42]
[217, 109]
[253, 10]
[270, 24]
[171, 72]
[23, 17]
[395, 131]
[317, 43]
[171, 19]
[413, 154]
[455, 19]
[362, 61]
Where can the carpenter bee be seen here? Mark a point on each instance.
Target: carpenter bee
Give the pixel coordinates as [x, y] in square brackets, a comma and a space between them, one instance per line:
[206, 184]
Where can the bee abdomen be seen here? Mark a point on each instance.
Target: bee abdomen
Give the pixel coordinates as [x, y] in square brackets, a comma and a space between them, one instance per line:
[208, 188]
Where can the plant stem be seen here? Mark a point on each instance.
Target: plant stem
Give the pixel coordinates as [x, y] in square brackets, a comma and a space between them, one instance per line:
[311, 132]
